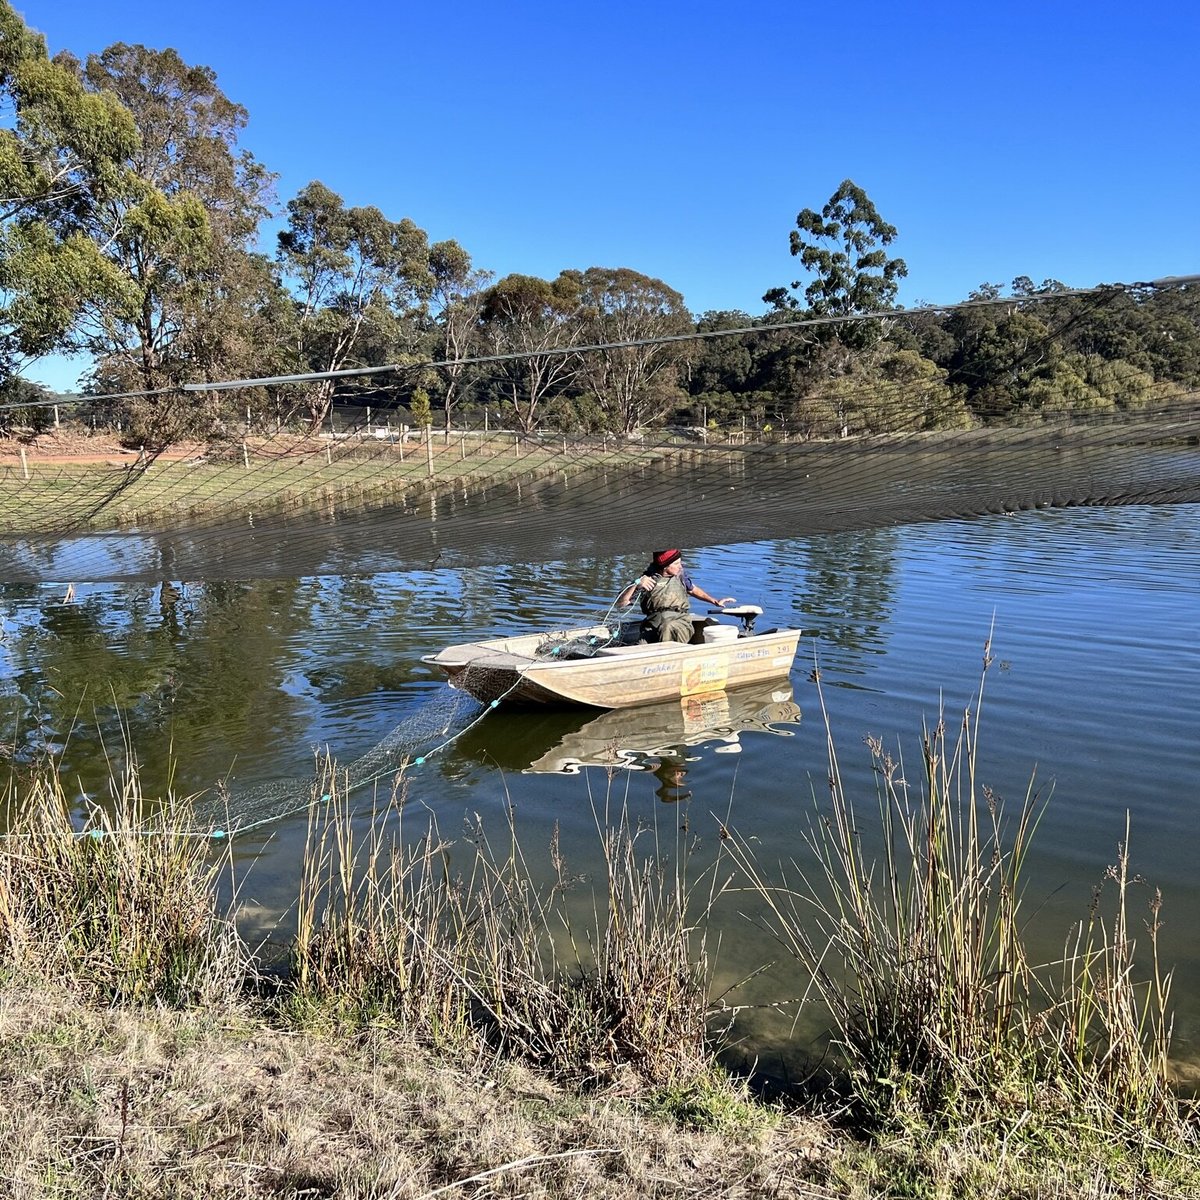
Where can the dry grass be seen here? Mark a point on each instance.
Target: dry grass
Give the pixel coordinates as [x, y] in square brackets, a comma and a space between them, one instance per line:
[457, 941]
[207, 1105]
[124, 909]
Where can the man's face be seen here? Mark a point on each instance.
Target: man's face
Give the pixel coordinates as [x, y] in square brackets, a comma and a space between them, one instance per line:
[675, 568]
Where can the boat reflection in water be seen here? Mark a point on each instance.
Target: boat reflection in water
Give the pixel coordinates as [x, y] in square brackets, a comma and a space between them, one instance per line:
[653, 737]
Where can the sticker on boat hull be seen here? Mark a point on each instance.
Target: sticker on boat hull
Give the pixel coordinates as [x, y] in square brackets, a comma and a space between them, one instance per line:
[704, 675]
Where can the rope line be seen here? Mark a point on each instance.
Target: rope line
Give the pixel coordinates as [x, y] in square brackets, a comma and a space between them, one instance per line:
[219, 834]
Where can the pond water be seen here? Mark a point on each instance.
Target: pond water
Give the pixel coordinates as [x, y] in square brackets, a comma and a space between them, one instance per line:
[1093, 693]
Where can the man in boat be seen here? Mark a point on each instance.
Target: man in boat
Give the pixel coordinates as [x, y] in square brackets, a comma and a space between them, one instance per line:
[664, 590]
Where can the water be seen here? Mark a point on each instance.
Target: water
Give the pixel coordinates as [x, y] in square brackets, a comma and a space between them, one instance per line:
[1093, 616]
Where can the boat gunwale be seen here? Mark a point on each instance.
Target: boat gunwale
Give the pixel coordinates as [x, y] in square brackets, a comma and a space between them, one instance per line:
[607, 656]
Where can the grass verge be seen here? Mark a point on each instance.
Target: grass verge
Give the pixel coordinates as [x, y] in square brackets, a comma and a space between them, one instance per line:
[918, 951]
[454, 1021]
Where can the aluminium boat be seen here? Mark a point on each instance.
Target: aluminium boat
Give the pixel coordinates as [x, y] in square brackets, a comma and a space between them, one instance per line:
[599, 667]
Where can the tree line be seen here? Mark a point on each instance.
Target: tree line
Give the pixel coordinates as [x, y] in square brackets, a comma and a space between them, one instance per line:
[130, 220]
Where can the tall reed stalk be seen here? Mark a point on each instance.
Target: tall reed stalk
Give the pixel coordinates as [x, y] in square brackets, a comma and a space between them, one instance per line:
[125, 908]
[462, 940]
[916, 949]
[1113, 1032]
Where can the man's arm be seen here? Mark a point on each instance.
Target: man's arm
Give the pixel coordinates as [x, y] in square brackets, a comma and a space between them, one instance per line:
[640, 584]
[701, 594]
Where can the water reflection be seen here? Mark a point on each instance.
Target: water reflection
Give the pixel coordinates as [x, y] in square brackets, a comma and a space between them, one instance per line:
[1095, 616]
[653, 737]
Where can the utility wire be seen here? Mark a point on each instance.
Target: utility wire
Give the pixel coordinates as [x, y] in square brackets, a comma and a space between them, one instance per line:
[558, 351]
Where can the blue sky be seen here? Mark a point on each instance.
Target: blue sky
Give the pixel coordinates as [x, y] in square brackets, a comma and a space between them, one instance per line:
[1054, 140]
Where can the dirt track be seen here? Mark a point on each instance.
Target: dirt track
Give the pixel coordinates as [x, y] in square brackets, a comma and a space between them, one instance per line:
[66, 449]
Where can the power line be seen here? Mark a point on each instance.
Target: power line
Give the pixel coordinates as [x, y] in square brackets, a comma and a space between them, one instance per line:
[559, 351]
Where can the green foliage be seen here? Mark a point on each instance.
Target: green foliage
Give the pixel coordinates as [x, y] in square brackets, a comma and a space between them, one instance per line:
[884, 391]
[183, 296]
[352, 270]
[17, 391]
[64, 142]
[712, 1102]
[419, 405]
[574, 414]
[842, 248]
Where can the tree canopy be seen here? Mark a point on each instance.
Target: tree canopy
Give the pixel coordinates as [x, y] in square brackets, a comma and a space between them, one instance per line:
[131, 222]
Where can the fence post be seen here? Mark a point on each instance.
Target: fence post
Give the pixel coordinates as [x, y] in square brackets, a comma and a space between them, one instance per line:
[24, 464]
[429, 448]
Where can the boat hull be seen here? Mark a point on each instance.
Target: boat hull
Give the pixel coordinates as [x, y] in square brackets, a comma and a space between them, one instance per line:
[615, 676]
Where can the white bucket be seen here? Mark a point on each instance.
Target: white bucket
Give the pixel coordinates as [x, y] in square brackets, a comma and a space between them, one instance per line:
[720, 633]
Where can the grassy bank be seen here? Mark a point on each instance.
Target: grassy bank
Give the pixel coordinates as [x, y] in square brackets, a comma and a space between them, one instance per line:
[43, 491]
[69, 481]
[447, 1022]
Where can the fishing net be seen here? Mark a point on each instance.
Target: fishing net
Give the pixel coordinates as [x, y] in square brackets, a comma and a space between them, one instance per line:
[436, 722]
[591, 498]
[440, 719]
[369, 496]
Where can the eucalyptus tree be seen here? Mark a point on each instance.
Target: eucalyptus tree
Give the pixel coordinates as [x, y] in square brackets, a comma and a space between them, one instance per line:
[457, 293]
[842, 247]
[352, 272]
[633, 377]
[731, 376]
[189, 292]
[58, 143]
[536, 321]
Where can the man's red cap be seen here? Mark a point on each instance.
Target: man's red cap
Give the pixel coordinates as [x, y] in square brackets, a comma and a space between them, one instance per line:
[664, 558]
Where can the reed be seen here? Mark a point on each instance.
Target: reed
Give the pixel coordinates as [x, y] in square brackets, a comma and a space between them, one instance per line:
[124, 908]
[1109, 1030]
[917, 949]
[381, 923]
[461, 941]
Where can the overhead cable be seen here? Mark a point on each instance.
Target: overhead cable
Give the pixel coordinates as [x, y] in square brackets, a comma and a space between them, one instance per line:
[633, 343]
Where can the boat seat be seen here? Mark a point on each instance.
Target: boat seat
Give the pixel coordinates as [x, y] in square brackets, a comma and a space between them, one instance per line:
[639, 648]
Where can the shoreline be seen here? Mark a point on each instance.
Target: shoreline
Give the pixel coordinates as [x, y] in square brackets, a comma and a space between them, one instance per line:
[207, 1104]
